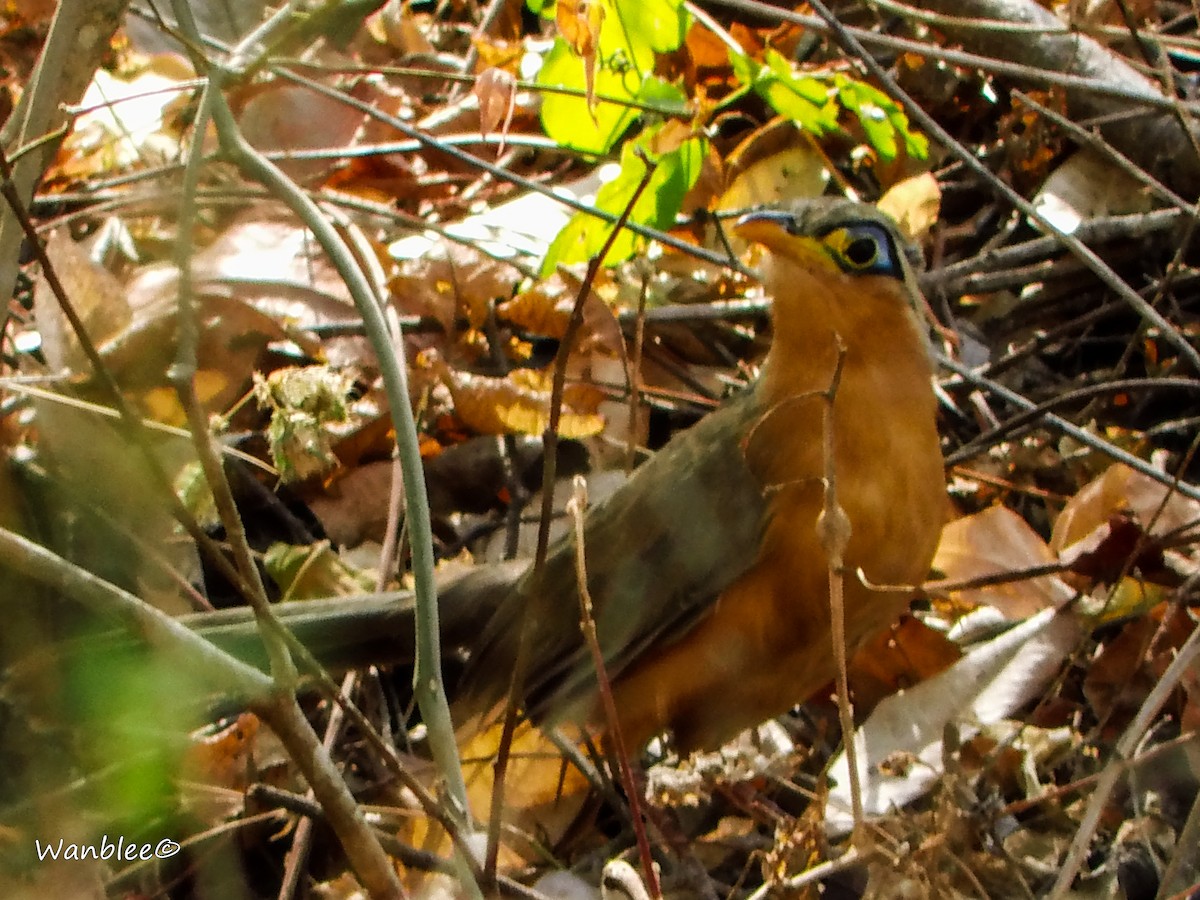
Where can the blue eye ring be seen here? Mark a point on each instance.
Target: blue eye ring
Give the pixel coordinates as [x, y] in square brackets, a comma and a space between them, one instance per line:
[863, 248]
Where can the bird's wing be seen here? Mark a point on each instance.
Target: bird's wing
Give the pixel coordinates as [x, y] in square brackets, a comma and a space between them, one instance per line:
[659, 552]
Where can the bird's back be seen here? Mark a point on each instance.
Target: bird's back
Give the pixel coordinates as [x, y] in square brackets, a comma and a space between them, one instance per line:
[659, 551]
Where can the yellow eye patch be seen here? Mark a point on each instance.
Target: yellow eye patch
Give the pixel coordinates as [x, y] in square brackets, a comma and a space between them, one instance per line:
[864, 248]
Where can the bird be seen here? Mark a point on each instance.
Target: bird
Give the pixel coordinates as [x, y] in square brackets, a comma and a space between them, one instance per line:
[707, 569]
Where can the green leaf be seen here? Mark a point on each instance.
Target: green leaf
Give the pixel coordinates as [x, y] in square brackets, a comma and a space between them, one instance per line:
[675, 173]
[632, 33]
[658, 25]
[744, 68]
[804, 99]
[882, 119]
[567, 119]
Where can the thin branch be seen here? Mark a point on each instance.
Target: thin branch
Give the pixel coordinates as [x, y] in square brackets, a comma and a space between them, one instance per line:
[576, 507]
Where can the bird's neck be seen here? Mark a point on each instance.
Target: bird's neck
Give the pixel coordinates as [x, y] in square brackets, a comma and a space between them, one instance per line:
[810, 344]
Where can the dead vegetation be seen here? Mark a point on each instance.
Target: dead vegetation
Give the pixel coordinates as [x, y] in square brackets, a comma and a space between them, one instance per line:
[258, 259]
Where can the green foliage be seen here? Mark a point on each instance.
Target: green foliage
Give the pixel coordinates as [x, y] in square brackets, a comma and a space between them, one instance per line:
[628, 36]
[306, 572]
[882, 120]
[567, 118]
[805, 99]
[814, 101]
[129, 705]
[631, 34]
[674, 174]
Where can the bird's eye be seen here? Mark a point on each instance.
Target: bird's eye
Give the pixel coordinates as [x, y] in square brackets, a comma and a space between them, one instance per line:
[863, 248]
[861, 252]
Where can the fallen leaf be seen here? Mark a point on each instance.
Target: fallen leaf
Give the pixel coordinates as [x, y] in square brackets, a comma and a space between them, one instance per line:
[996, 542]
[990, 683]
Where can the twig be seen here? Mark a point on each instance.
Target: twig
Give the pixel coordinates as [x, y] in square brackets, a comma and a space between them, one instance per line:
[283, 713]
[75, 46]
[131, 421]
[817, 873]
[183, 376]
[635, 374]
[549, 470]
[833, 529]
[1007, 429]
[297, 855]
[476, 162]
[427, 679]
[1083, 436]
[1123, 756]
[576, 507]
[197, 655]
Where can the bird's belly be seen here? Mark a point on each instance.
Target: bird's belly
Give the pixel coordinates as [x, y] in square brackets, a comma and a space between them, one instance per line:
[767, 644]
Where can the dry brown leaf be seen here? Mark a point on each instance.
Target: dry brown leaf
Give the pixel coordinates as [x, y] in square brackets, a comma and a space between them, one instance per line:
[287, 117]
[773, 165]
[543, 794]
[126, 122]
[579, 24]
[398, 26]
[519, 401]
[223, 757]
[904, 655]
[914, 203]
[544, 309]
[1088, 185]
[1130, 664]
[353, 508]
[1118, 491]
[995, 542]
[670, 137]
[496, 90]
[452, 281]
[94, 292]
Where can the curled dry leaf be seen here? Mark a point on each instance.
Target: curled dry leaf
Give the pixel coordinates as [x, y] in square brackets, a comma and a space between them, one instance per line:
[1117, 491]
[496, 90]
[450, 282]
[996, 542]
[518, 402]
[545, 310]
[579, 24]
[773, 165]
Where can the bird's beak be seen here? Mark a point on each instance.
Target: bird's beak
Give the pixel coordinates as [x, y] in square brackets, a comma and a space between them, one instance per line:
[770, 228]
[763, 226]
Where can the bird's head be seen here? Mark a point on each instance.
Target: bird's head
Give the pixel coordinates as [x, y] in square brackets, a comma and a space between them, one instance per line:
[838, 262]
[831, 237]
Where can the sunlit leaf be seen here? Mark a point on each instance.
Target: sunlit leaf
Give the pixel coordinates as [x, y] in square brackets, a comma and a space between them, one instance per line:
[630, 35]
[882, 120]
[674, 173]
